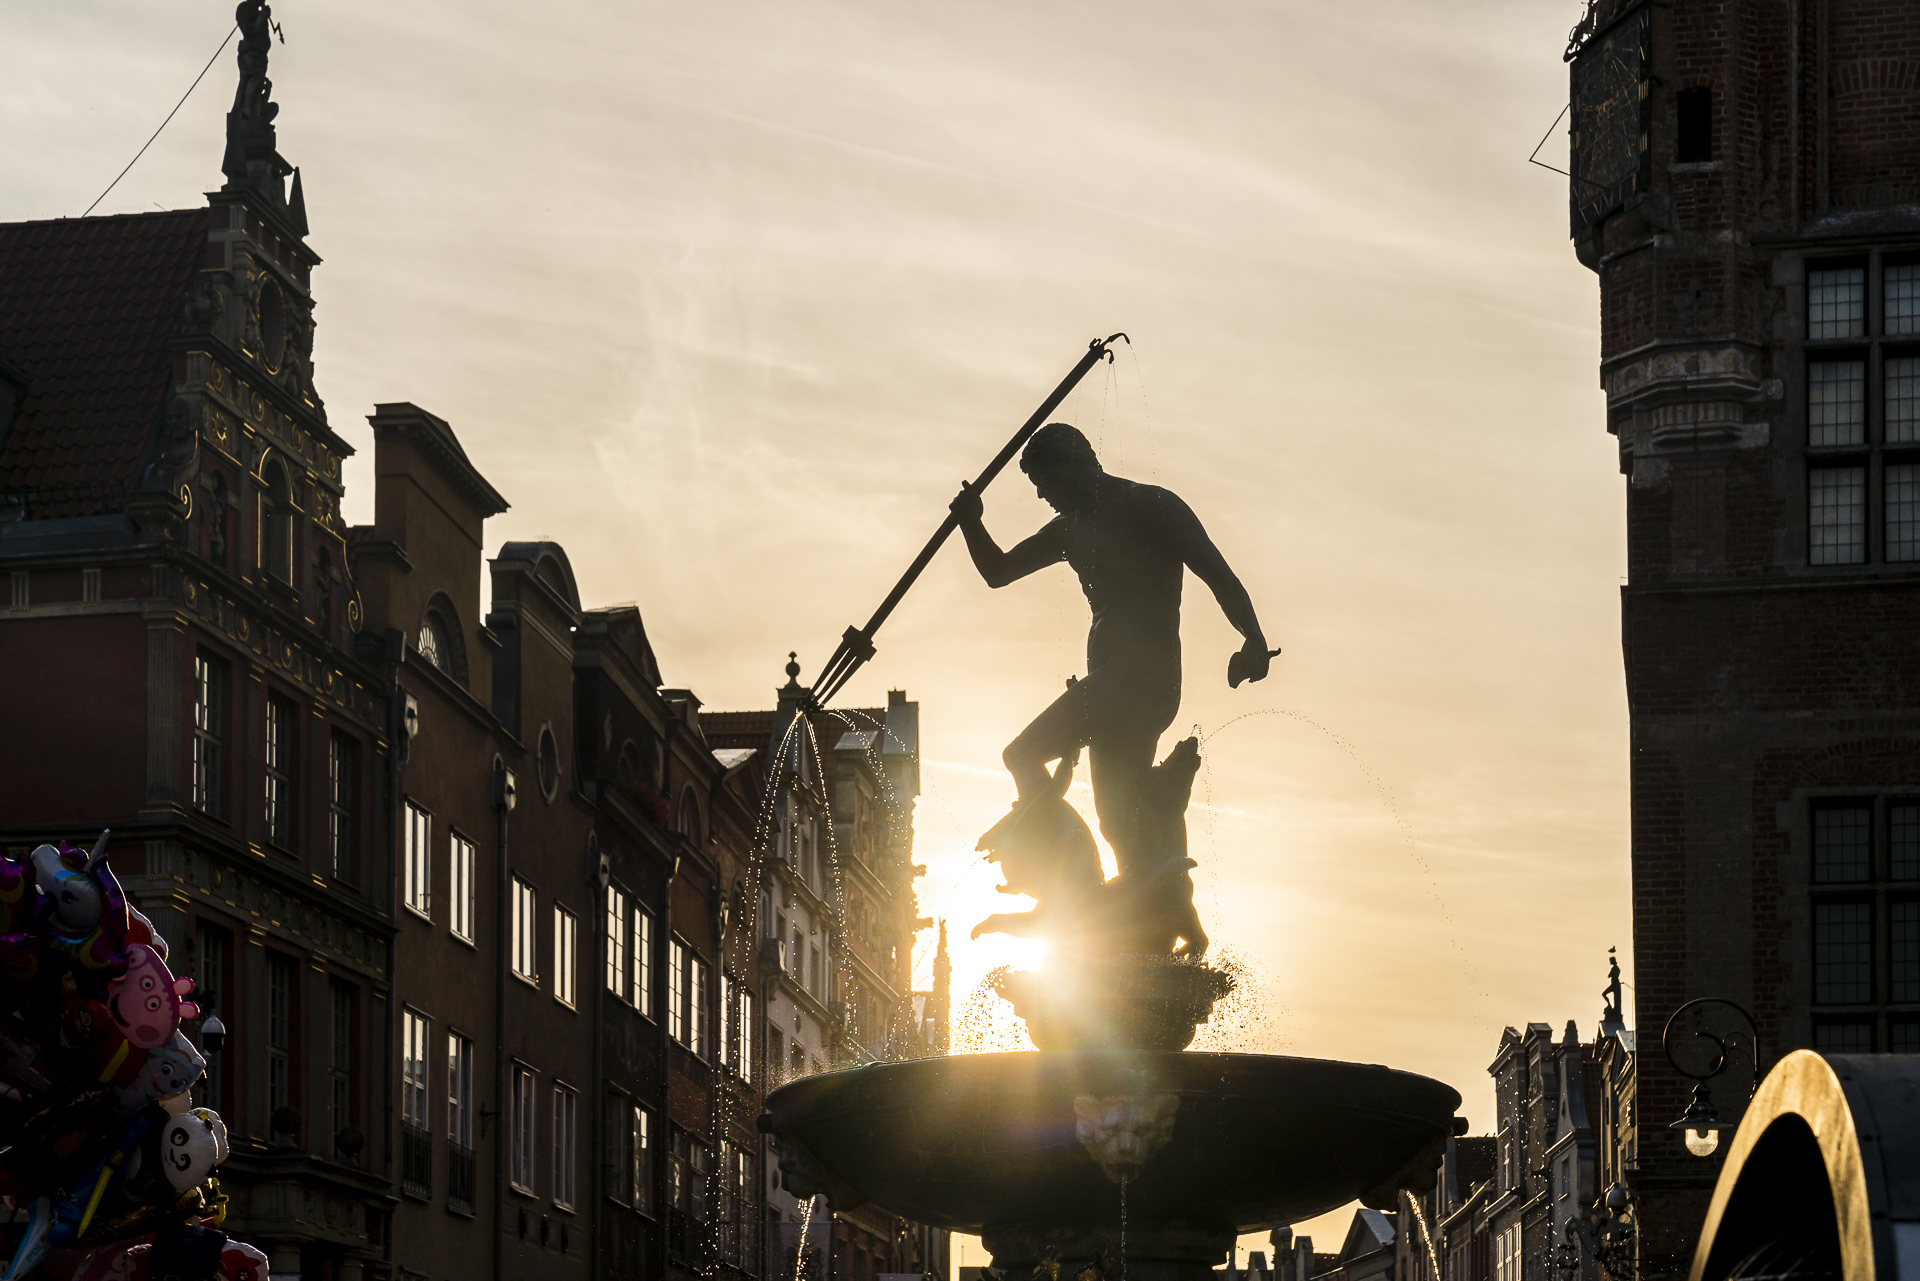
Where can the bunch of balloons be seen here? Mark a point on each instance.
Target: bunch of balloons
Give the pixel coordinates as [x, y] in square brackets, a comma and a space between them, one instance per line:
[100, 1144]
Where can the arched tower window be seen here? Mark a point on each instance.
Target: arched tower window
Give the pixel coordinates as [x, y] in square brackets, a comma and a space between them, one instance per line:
[276, 522]
[440, 640]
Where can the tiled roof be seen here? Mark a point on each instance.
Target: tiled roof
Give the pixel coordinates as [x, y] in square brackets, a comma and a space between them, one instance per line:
[736, 729]
[85, 308]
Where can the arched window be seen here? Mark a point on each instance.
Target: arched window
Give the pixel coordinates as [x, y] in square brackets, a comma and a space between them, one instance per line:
[435, 645]
[440, 640]
[276, 522]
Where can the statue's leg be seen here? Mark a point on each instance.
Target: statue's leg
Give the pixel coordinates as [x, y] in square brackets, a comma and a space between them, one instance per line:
[1124, 711]
[1051, 737]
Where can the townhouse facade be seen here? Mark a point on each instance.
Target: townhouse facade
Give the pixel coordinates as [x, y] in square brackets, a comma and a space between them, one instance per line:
[484, 905]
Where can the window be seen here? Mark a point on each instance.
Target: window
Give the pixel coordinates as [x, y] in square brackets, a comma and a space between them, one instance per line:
[21, 581]
[547, 762]
[282, 721]
[341, 1002]
[460, 889]
[526, 961]
[460, 1089]
[1836, 302]
[617, 1159]
[1837, 515]
[566, 945]
[744, 1030]
[641, 1122]
[210, 969]
[209, 731]
[1694, 143]
[1903, 512]
[1837, 402]
[279, 1031]
[677, 991]
[413, 1070]
[617, 942]
[90, 586]
[643, 961]
[1901, 305]
[1866, 923]
[729, 1033]
[1863, 418]
[699, 996]
[564, 1101]
[276, 522]
[416, 1151]
[417, 890]
[460, 1171]
[435, 645]
[732, 1200]
[523, 1110]
[342, 758]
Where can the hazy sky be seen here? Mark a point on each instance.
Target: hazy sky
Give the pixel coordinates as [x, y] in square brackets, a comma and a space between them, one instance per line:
[727, 297]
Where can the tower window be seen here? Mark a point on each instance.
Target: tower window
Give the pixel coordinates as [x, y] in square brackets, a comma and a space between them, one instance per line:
[1836, 302]
[1837, 515]
[276, 523]
[1695, 143]
[1901, 306]
[1837, 402]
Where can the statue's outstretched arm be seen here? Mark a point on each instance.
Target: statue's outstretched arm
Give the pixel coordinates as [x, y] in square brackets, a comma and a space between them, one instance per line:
[998, 568]
[1210, 567]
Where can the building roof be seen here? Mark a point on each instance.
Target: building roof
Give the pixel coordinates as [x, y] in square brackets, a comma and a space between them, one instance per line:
[86, 305]
[1473, 1161]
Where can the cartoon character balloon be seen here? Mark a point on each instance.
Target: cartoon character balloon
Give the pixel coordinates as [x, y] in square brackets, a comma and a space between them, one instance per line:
[147, 1001]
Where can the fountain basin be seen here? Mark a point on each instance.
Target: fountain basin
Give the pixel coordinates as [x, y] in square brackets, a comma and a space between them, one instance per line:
[991, 1143]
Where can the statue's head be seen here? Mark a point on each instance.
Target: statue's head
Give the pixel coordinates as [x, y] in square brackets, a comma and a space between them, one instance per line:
[1061, 464]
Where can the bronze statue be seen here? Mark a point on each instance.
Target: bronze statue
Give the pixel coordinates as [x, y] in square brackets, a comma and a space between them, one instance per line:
[1130, 544]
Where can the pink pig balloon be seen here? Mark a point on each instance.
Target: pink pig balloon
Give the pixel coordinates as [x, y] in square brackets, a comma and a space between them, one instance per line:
[146, 1000]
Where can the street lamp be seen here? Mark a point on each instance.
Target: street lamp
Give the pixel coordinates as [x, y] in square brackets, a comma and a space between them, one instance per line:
[1701, 1122]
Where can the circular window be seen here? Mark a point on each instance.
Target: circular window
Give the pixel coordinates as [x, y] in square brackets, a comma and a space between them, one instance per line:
[549, 763]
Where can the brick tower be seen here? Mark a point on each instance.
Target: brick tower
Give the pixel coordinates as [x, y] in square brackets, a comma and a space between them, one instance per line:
[1746, 185]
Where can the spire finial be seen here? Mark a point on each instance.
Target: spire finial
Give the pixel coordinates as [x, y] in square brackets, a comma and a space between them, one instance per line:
[253, 162]
[793, 664]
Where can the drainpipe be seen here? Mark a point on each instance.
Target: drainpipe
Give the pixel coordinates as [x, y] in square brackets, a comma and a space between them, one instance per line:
[664, 1151]
[403, 722]
[602, 874]
[503, 805]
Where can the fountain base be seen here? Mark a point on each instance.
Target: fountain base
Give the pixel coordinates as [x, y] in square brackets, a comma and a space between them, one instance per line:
[1022, 1148]
[1153, 1252]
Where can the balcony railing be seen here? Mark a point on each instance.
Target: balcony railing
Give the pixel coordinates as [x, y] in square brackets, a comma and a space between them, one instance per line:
[459, 1178]
[416, 1160]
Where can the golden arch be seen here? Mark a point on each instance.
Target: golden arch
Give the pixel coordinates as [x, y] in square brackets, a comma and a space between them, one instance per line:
[1797, 1163]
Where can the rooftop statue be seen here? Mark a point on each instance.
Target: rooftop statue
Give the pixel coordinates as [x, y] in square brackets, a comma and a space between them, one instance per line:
[1130, 545]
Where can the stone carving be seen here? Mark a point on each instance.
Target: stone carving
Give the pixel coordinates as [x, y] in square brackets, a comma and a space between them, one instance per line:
[1120, 1132]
